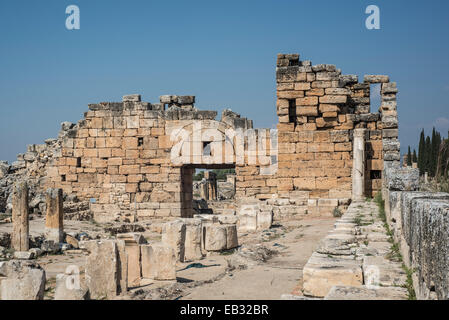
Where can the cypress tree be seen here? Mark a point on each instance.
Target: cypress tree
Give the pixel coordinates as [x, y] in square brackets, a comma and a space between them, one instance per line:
[427, 155]
[409, 157]
[433, 154]
[421, 152]
[414, 157]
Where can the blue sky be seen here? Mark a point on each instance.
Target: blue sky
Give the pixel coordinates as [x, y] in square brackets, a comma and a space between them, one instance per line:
[223, 52]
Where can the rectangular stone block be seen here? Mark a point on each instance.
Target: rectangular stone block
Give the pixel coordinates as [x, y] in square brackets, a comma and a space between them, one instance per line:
[174, 235]
[322, 272]
[158, 262]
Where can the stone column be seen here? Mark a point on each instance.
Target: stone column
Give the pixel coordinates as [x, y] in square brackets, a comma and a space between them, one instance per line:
[211, 179]
[19, 241]
[358, 168]
[54, 228]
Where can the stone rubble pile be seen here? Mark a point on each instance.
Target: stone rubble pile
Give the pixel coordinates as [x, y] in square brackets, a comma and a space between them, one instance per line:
[32, 167]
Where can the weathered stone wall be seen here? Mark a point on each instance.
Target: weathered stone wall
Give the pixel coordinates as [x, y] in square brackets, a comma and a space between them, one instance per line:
[135, 160]
[127, 159]
[318, 110]
[420, 224]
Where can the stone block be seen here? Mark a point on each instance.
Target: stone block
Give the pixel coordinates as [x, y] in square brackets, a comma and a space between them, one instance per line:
[215, 237]
[264, 220]
[248, 218]
[174, 235]
[131, 98]
[231, 237]
[402, 179]
[193, 242]
[67, 288]
[322, 272]
[158, 262]
[364, 293]
[25, 280]
[102, 269]
[376, 79]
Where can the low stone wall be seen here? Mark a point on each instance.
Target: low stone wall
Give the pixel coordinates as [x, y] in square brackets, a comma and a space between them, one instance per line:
[420, 225]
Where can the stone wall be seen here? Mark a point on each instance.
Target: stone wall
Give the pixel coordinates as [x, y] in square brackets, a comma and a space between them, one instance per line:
[420, 224]
[318, 110]
[126, 158]
[135, 160]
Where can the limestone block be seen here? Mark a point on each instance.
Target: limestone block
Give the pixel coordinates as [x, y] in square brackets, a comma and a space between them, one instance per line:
[402, 179]
[134, 272]
[132, 250]
[228, 219]
[69, 289]
[158, 262]
[378, 271]
[131, 98]
[429, 245]
[193, 242]
[376, 79]
[174, 235]
[364, 293]
[25, 280]
[102, 266]
[231, 237]
[322, 272]
[389, 88]
[264, 220]
[248, 218]
[24, 255]
[215, 237]
[132, 237]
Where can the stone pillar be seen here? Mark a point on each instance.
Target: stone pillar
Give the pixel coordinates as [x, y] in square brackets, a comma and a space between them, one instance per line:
[211, 179]
[19, 240]
[358, 168]
[204, 190]
[54, 227]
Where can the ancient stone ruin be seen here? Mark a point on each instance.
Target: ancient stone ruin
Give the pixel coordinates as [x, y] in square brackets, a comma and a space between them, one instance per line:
[130, 165]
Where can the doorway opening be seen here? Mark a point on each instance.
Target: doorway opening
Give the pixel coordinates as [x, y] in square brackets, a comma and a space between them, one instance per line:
[207, 189]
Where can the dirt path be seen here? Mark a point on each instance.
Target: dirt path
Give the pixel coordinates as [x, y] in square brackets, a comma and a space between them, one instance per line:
[279, 275]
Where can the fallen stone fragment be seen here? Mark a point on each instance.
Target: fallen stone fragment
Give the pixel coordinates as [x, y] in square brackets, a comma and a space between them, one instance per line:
[25, 280]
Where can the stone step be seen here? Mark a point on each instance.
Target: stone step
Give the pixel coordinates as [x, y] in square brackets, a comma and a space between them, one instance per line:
[364, 293]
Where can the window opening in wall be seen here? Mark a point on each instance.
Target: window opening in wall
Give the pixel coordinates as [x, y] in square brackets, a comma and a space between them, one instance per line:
[375, 97]
[140, 141]
[292, 110]
[207, 151]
